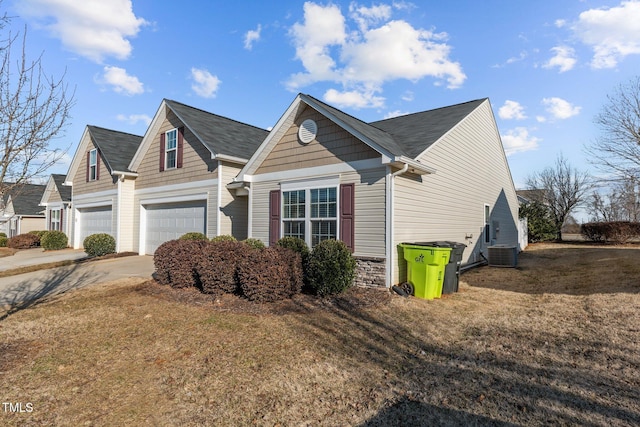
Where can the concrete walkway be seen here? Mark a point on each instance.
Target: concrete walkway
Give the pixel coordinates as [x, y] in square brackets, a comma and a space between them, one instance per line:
[26, 257]
[22, 290]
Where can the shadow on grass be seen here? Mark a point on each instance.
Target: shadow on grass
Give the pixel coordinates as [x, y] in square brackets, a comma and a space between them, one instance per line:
[471, 381]
[23, 291]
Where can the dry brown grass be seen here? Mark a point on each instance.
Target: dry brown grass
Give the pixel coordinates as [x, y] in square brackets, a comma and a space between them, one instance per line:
[7, 252]
[554, 342]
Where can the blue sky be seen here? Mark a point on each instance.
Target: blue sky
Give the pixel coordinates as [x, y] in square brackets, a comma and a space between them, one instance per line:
[547, 66]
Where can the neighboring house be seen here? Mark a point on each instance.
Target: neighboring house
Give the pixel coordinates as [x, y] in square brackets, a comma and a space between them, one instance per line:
[102, 185]
[435, 175]
[183, 164]
[56, 201]
[20, 211]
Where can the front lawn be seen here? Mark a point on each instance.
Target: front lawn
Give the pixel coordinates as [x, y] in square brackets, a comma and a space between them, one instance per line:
[555, 341]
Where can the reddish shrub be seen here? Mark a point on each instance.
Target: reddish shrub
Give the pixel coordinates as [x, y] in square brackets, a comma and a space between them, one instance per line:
[175, 262]
[270, 275]
[614, 231]
[24, 241]
[218, 264]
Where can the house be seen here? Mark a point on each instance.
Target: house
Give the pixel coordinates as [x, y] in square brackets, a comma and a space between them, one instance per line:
[435, 175]
[102, 185]
[183, 164]
[56, 201]
[20, 212]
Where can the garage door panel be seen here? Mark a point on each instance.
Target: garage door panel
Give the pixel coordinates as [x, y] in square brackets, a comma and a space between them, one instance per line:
[169, 221]
[94, 221]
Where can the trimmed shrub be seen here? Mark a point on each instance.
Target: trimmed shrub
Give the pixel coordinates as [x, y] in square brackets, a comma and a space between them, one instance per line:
[331, 268]
[24, 241]
[224, 238]
[194, 235]
[38, 233]
[298, 245]
[54, 240]
[3, 241]
[176, 261]
[99, 244]
[268, 275]
[2, 234]
[254, 243]
[217, 266]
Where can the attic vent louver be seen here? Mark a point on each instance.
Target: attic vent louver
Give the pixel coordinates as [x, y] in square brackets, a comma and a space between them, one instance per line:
[308, 131]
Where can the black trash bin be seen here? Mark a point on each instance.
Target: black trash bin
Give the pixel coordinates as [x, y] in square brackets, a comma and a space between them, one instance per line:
[452, 269]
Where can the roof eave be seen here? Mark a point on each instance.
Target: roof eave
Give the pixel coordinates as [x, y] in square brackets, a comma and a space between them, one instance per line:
[414, 166]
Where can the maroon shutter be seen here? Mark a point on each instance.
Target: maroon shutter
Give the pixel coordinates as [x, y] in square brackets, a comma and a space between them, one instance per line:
[274, 217]
[60, 226]
[88, 164]
[180, 147]
[161, 152]
[347, 208]
[97, 165]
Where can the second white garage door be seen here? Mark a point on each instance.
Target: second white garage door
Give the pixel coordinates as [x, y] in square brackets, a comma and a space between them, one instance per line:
[169, 221]
[95, 220]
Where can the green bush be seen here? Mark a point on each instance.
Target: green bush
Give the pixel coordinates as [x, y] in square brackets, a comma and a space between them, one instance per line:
[331, 268]
[298, 245]
[38, 233]
[99, 244]
[176, 262]
[2, 234]
[193, 235]
[217, 267]
[224, 238]
[54, 240]
[24, 241]
[254, 243]
[270, 275]
[3, 241]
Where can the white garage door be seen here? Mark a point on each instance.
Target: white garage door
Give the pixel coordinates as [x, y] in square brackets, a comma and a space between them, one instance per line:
[95, 220]
[169, 221]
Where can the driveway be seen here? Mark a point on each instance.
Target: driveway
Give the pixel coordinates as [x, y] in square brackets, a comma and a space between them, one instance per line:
[35, 256]
[22, 290]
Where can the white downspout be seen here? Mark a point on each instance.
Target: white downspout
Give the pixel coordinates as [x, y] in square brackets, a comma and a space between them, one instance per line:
[391, 258]
[219, 197]
[249, 188]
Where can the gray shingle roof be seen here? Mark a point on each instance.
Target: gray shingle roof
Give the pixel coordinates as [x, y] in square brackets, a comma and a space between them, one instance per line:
[63, 190]
[116, 148]
[219, 134]
[26, 199]
[407, 135]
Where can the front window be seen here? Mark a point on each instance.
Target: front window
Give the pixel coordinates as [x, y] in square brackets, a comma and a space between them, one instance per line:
[171, 149]
[311, 214]
[93, 165]
[55, 220]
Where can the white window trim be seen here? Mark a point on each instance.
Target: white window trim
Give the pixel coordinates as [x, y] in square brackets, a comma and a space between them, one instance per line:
[167, 150]
[93, 166]
[56, 221]
[307, 186]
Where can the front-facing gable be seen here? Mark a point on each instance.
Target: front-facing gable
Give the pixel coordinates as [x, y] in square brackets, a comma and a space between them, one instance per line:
[55, 192]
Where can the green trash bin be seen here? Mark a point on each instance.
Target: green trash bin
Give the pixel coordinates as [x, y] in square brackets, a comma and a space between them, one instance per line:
[425, 268]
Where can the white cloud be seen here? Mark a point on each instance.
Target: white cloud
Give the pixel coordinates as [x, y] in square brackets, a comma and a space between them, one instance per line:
[511, 110]
[559, 108]
[204, 83]
[559, 23]
[353, 98]
[518, 140]
[133, 119]
[396, 113]
[612, 33]
[122, 82]
[95, 29]
[362, 60]
[251, 37]
[564, 58]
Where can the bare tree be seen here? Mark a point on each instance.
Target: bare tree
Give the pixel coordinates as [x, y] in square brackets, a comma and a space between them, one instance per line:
[617, 150]
[34, 110]
[621, 202]
[562, 189]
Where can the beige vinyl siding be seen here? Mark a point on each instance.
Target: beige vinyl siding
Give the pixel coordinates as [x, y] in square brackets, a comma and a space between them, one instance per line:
[197, 164]
[126, 227]
[233, 209]
[28, 224]
[80, 184]
[53, 196]
[332, 145]
[449, 205]
[369, 210]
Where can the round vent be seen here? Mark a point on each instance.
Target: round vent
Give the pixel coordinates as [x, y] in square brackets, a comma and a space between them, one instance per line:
[308, 131]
